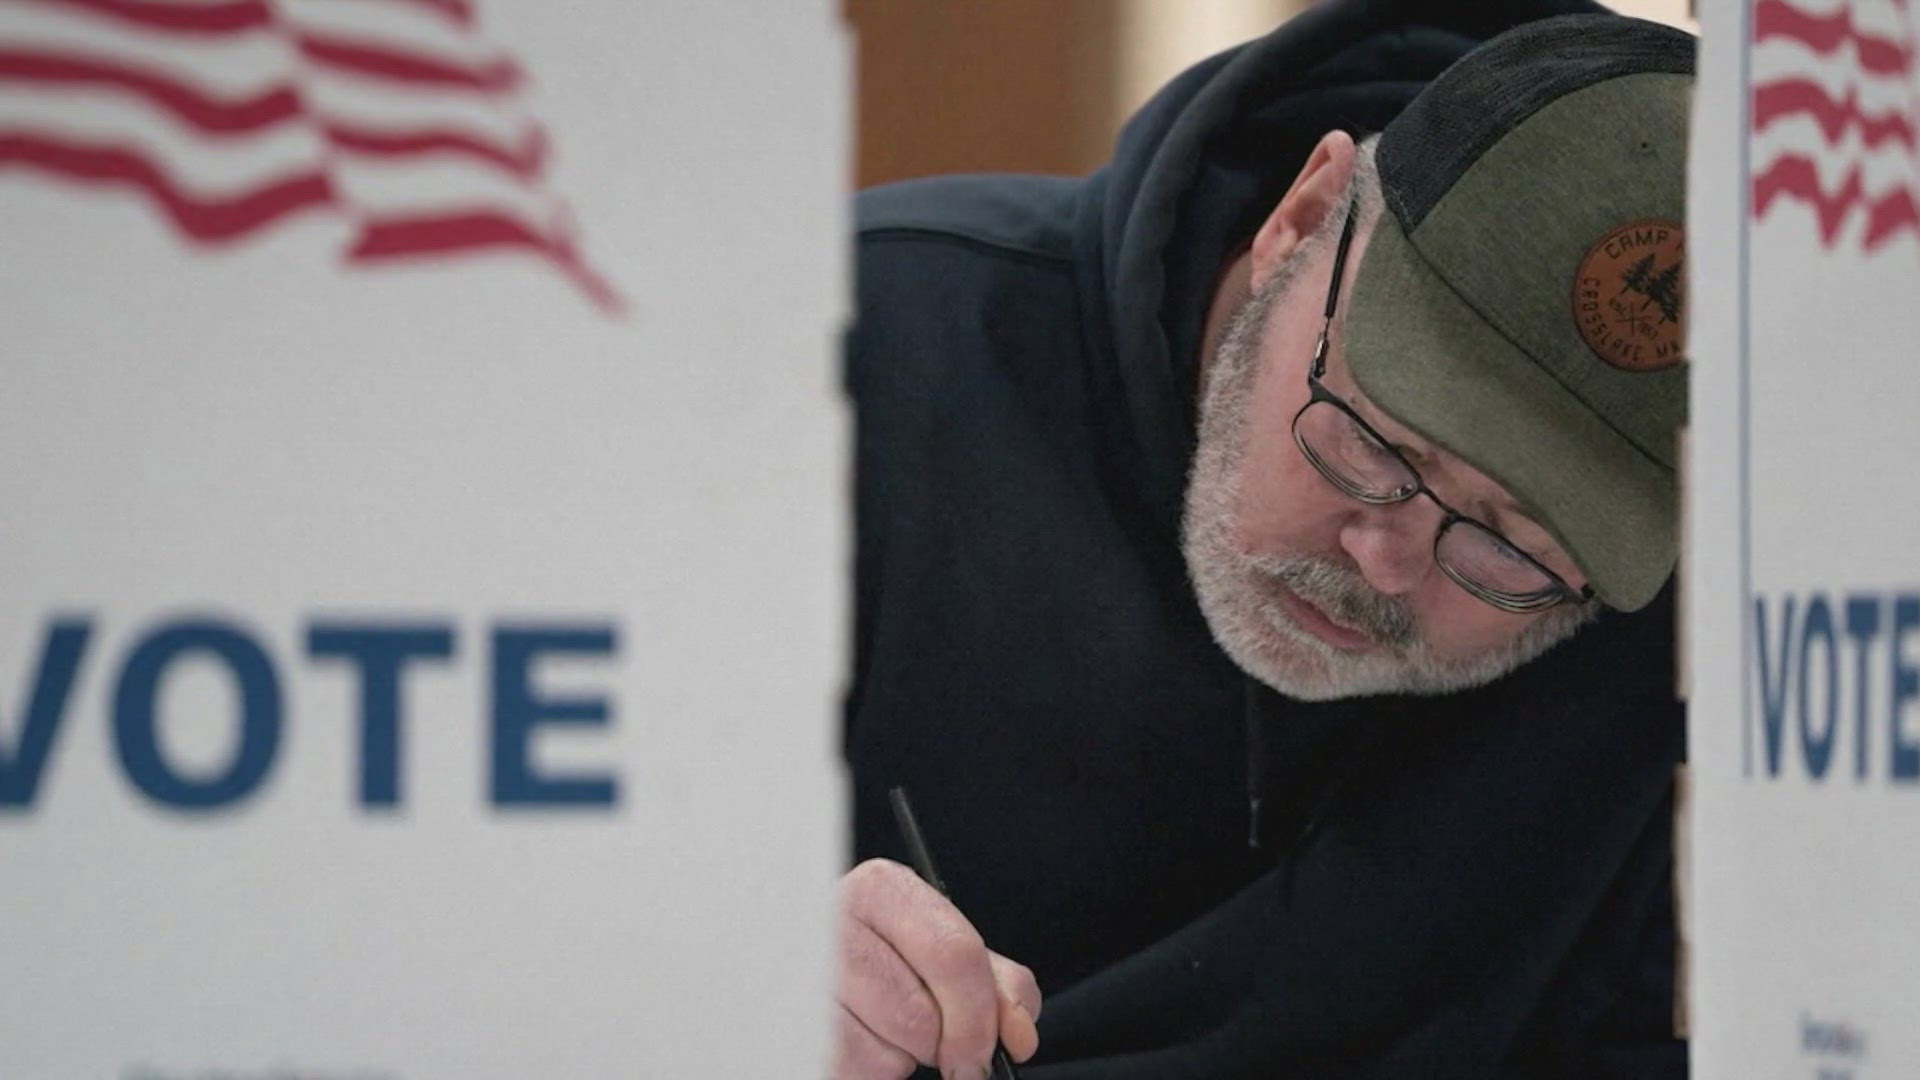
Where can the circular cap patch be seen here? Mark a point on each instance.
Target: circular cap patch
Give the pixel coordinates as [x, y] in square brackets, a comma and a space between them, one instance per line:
[1627, 298]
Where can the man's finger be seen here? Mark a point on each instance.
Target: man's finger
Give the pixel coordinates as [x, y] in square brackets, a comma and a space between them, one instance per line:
[1019, 1007]
[1016, 983]
[862, 1055]
[879, 988]
[943, 949]
[1017, 1031]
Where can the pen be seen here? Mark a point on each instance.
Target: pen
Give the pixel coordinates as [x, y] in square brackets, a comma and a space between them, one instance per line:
[923, 865]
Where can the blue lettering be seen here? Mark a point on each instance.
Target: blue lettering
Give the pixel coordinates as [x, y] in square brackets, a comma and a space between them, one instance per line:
[381, 652]
[1817, 745]
[1903, 763]
[46, 706]
[134, 726]
[518, 712]
[1773, 690]
[1863, 624]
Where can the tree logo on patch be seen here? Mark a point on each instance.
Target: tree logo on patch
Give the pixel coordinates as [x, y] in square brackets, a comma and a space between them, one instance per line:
[1627, 296]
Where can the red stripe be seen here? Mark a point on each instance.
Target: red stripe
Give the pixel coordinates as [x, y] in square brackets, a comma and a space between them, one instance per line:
[523, 161]
[1787, 97]
[209, 221]
[189, 103]
[1793, 176]
[1890, 214]
[380, 62]
[233, 16]
[1826, 33]
[459, 11]
[426, 236]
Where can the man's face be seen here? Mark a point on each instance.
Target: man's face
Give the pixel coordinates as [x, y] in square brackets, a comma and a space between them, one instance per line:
[1309, 590]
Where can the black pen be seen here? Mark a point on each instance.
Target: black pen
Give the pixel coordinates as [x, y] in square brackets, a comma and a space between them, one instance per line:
[923, 865]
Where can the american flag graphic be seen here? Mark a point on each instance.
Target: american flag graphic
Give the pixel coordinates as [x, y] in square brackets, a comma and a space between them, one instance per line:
[1833, 117]
[229, 116]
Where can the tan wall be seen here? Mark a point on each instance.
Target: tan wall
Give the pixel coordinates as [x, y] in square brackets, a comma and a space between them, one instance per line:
[1159, 40]
[1677, 12]
[1038, 85]
[960, 85]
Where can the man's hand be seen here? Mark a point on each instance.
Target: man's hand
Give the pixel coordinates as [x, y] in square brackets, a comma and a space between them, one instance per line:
[918, 986]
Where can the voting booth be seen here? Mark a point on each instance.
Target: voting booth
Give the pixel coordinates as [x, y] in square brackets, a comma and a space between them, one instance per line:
[1803, 573]
[424, 537]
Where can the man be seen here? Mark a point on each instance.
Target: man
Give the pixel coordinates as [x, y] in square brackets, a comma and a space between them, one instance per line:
[1263, 571]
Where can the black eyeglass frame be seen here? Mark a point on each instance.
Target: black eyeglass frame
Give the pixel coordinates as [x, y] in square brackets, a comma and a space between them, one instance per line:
[1557, 591]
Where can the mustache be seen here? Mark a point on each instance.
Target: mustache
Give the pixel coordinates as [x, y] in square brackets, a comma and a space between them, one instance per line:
[1344, 596]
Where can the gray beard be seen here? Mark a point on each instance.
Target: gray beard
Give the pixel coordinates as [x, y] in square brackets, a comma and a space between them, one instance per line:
[1237, 589]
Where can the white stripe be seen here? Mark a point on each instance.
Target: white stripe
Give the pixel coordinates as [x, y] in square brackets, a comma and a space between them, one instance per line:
[1880, 19]
[1778, 56]
[1800, 132]
[435, 187]
[391, 108]
[392, 24]
[235, 65]
[1876, 93]
[204, 165]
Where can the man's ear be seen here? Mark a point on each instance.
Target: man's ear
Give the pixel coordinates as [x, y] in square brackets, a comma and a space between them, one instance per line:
[1316, 192]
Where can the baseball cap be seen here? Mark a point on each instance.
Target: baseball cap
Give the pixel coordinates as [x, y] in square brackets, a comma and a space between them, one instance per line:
[1521, 300]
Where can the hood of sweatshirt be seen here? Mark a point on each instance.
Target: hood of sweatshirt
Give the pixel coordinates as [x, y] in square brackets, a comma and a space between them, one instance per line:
[1200, 166]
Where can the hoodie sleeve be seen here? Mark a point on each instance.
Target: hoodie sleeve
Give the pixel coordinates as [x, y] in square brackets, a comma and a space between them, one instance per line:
[1209, 1003]
[1473, 905]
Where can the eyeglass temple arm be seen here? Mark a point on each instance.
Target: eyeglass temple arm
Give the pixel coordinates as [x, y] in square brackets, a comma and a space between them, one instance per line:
[1333, 291]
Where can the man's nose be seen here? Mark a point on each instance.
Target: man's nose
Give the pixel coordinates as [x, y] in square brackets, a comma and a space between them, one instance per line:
[1392, 545]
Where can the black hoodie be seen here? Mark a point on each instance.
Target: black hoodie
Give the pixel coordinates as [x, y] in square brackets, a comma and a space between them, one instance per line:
[1471, 885]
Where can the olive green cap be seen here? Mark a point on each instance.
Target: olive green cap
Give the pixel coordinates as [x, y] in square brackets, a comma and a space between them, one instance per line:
[1521, 300]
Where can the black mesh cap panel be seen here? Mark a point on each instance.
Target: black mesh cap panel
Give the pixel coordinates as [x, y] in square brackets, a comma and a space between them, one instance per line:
[1491, 90]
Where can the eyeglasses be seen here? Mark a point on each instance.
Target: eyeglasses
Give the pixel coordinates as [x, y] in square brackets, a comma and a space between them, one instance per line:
[1357, 460]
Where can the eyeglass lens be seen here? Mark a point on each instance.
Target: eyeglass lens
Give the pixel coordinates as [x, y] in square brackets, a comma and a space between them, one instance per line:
[1357, 463]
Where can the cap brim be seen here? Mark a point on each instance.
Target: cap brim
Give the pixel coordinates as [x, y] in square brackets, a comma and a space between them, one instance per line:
[1427, 358]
